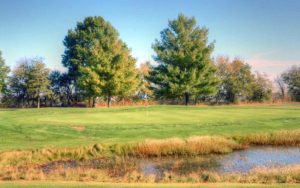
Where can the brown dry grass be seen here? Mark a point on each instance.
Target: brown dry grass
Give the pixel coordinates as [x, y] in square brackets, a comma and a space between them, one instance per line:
[189, 147]
[79, 128]
[281, 138]
[288, 174]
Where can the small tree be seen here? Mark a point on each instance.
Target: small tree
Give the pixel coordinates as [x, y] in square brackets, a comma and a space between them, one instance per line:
[281, 86]
[4, 70]
[61, 87]
[17, 94]
[145, 69]
[292, 80]
[38, 83]
[262, 88]
[184, 56]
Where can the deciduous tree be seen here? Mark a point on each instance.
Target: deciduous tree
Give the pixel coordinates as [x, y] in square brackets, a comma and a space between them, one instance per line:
[98, 60]
[236, 79]
[262, 88]
[38, 84]
[4, 70]
[292, 80]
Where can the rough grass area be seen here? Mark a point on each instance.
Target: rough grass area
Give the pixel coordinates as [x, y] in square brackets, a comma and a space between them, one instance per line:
[73, 127]
[193, 146]
[24, 165]
[124, 185]
[150, 148]
[287, 174]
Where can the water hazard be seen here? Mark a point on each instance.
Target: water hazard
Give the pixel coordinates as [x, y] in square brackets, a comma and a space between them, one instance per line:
[239, 161]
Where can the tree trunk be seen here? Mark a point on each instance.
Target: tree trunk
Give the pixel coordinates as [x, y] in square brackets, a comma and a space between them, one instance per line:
[282, 93]
[109, 100]
[187, 99]
[38, 102]
[94, 102]
[89, 102]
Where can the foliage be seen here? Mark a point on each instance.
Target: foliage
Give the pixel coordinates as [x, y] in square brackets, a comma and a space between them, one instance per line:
[145, 69]
[236, 80]
[28, 82]
[292, 80]
[4, 70]
[62, 88]
[38, 83]
[262, 88]
[185, 67]
[98, 61]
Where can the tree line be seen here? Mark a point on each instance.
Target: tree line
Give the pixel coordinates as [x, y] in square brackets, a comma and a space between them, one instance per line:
[100, 67]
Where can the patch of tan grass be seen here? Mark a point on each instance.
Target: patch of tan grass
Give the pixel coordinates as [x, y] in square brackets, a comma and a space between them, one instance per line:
[281, 138]
[79, 128]
[201, 145]
[286, 174]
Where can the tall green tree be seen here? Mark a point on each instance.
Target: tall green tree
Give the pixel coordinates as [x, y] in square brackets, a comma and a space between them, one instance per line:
[99, 61]
[184, 56]
[4, 70]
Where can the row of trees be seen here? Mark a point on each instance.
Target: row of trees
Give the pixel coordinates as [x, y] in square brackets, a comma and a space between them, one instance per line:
[100, 67]
[239, 83]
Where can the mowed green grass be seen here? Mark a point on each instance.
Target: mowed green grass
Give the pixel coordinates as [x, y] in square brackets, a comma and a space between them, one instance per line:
[71, 127]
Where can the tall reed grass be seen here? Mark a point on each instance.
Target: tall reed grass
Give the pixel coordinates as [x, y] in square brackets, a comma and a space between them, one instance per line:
[280, 138]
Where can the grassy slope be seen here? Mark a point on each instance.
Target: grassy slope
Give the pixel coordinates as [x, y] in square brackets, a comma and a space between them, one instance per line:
[105, 185]
[32, 128]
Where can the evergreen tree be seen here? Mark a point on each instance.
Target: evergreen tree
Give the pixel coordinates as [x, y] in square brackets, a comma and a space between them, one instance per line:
[184, 56]
[98, 61]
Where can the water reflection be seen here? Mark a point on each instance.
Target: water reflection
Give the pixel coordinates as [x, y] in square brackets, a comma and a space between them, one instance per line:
[239, 161]
[245, 160]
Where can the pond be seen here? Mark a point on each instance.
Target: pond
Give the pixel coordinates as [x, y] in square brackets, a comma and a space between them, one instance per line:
[239, 161]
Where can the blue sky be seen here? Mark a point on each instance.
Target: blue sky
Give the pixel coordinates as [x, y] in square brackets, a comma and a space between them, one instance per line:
[265, 33]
